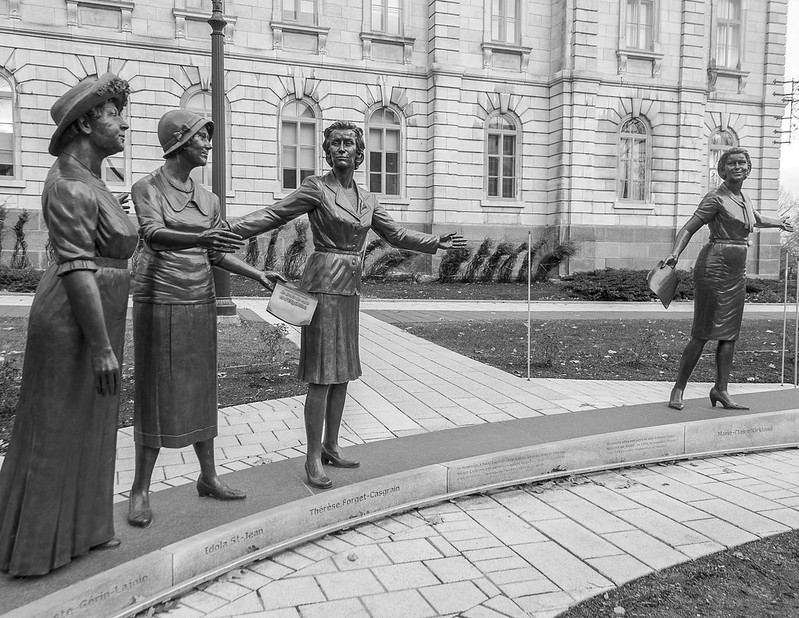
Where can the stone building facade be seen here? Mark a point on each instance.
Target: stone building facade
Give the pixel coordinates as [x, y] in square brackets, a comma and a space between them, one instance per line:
[596, 121]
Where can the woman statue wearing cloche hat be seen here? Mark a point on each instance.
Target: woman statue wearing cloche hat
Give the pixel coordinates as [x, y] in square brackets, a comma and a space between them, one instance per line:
[56, 484]
[174, 310]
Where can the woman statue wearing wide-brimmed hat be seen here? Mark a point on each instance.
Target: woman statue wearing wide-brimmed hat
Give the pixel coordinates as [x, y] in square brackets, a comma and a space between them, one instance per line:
[56, 485]
[719, 274]
[340, 213]
[174, 310]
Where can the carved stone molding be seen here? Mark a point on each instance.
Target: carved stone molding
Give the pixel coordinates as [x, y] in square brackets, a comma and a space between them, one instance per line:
[124, 7]
[369, 38]
[491, 48]
[654, 57]
[281, 27]
[182, 16]
[13, 9]
[714, 72]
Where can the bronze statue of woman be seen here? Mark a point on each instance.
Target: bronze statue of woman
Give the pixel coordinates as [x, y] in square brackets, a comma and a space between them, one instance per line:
[719, 274]
[57, 481]
[340, 213]
[174, 310]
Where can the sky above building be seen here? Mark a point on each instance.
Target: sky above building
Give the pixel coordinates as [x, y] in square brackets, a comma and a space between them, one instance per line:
[789, 160]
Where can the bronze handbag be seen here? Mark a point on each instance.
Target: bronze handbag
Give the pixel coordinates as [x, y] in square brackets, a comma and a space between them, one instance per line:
[662, 280]
[291, 304]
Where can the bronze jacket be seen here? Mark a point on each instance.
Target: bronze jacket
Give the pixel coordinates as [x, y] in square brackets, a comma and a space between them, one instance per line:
[339, 232]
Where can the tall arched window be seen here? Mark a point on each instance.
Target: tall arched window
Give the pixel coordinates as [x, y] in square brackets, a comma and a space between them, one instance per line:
[199, 102]
[720, 141]
[633, 160]
[297, 143]
[502, 157]
[384, 145]
[7, 138]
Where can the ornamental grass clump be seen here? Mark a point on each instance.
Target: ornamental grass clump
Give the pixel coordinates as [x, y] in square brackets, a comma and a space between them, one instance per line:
[483, 251]
[505, 273]
[492, 264]
[294, 259]
[19, 257]
[451, 263]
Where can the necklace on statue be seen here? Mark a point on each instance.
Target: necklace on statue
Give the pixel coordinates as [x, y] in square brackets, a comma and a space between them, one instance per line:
[181, 189]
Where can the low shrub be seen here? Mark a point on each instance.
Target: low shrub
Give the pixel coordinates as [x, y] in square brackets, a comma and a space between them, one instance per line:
[621, 284]
[20, 279]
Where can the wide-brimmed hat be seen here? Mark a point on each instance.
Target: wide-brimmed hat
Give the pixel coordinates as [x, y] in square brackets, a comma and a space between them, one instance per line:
[85, 96]
[178, 126]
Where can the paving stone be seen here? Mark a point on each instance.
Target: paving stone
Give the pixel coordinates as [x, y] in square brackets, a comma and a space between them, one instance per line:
[271, 569]
[409, 551]
[351, 608]
[249, 603]
[362, 557]
[400, 604]
[486, 586]
[292, 560]
[404, 576]
[697, 550]
[227, 590]
[560, 566]
[349, 584]
[661, 527]
[500, 564]
[291, 593]
[722, 532]
[453, 597]
[646, 548]
[453, 569]
[619, 569]
[535, 604]
[510, 576]
[578, 540]
[181, 611]
[741, 517]
[514, 590]
[201, 600]
[506, 526]
[444, 547]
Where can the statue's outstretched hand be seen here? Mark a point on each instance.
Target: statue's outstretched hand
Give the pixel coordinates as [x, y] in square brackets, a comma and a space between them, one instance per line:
[787, 226]
[269, 278]
[451, 241]
[220, 240]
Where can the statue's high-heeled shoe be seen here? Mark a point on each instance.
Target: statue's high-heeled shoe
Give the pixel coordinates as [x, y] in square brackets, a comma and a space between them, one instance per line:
[675, 399]
[140, 517]
[218, 493]
[337, 461]
[724, 399]
[320, 481]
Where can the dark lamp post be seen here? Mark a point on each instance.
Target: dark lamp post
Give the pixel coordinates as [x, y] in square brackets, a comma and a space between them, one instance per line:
[224, 303]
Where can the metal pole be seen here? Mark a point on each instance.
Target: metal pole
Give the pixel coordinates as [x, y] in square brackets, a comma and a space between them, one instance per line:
[796, 330]
[529, 325]
[785, 316]
[224, 303]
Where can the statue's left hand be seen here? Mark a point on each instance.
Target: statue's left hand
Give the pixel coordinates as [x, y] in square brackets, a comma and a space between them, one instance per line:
[451, 241]
[787, 226]
[124, 200]
[269, 278]
[106, 372]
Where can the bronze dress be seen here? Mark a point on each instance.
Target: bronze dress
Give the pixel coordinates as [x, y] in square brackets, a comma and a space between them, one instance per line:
[174, 319]
[720, 270]
[329, 344]
[56, 485]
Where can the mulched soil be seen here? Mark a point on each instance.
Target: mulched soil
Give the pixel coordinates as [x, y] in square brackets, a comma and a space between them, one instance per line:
[608, 349]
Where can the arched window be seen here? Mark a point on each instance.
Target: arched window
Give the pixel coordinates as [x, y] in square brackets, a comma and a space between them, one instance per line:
[297, 143]
[720, 141]
[7, 138]
[383, 144]
[502, 157]
[199, 102]
[633, 160]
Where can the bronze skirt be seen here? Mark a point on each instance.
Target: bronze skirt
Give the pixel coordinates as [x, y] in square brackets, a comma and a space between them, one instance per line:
[719, 291]
[57, 481]
[329, 345]
[175, 374]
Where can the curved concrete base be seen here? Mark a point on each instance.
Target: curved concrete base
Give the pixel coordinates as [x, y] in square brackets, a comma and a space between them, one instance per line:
[195, 539]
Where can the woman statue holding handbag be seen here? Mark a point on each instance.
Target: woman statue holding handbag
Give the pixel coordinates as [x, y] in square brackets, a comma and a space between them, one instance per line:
[341, 214]
[719, 274]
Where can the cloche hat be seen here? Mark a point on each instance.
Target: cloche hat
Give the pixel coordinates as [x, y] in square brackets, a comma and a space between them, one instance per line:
[85, 96]
[178, 126]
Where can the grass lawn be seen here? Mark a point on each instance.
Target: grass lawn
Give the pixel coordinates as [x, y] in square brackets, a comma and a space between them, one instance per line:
[608, 349]
[256, 362]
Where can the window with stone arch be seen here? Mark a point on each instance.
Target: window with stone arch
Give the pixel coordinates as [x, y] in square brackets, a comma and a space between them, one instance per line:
[384, 146]
[729, 33]
[199, 102]
[719, 142]
[502, 156]
[298, 137]
[634, 164]
[8, 137]
[506, 21]
[640, 24]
